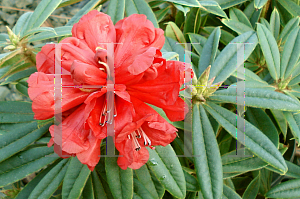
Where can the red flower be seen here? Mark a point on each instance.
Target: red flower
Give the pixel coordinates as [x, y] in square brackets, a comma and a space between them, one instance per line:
[142, 76]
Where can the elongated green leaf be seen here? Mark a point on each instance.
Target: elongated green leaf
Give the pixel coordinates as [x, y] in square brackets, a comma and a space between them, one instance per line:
[237, 26]
[67, 3]
[40, 14]
[50, 182]
[259, 3]
[229, 3]
[293, 120]
[191, 3]
[270, 50]
[225, 38]
[230, 193]
[15, 112]
[275, 23]
[144, 177]
[213, 7]
[22, 23]
[75, 179]
[160, 14]
[19, 75]
[184, 9]
[261, 120]
[252, 189]
[140, 190]
[140, 7]
[293, 170]
[208, 165]
[98, 186]
[174, 32]
[26, 191]
[226, 62]
[281, 121]
[192, 183]
[288, 189]
[116, 10]
[88, 191]
[292, 24]
[19, 138]
[210, 50]
[166, 167]
[258, 97]
[120, 181]
[291, 7]
[22, 87]
[290, 54]
[192, 21]
[6, 56]
[238, 15]
[158, 186]
[254, 139]
[252, 13]
[24, 163]
[198, 42]
[89, 6]
[171, 46]
[59, 32]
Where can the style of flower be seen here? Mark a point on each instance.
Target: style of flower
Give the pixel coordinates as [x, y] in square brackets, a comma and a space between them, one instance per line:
[142, 76]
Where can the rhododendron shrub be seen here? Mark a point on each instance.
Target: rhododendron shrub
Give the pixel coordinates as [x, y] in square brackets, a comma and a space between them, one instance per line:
[151, 99]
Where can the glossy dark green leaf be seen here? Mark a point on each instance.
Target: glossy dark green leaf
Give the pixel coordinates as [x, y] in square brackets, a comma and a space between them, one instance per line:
[15, 112]
[19, 75]
[270, 50]
[208, 165]
[225, 38]
[230, 193]
[19, 138]
[259, 97]
[192, 183]
[158, 186]
[40, 14]
[252, 189]
[144, 177]
[89, 6]
[275, 23]
[259, 3]
[254, 139]
[140, 7]
[172, 46]
[184, 9]
[237, 26]
[291, 7]
[22, 87]
[116, 10]
[88, 191]
[238, 15]
[229, 3]
[166, 167]
[50, 182]
[292, 24]
[198, 42]
[160, 14]
[281, 121]
[252, 13]
[120, 181]
[290, 54]
[191, 3]
[213, 7]
[58, 32]
[225, 63]
[174, 32]
[288, 189]
[99, 191]
[24, 163]
[210, 50]
[75, 179]
[141, 190]
[293, 170]
[293, 120]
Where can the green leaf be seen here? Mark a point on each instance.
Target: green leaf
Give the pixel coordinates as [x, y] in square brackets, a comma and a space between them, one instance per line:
[225, 38]
[171, 46]
[288, 189]
[291, 7]
[40, 14]
[166, 167]
[19, 75]
[190, 3]
[258, 4]
[39, 30]
[292, 24]
[252, 189]
[254, 139]
[238, 15]
[293, 120]
[89, 6]
[213, 7]
[98, 187]
[50, 182]
[75, 179]
[290, 54]
[26, 191]
[198, 42]
[22, 23]
[192, 21]
[140, 7]
[116, 10]
[120, 181]
[67, 3]
[160, 14]
[230, 193]
[270, 50]
[158, 186]
[210, 50]
[88, 191]
[252, 13]
[225, 63]
[184, 9]
[258, 97]
[174, 32]
[237, 26]
[19, 138]
[229, 3]
[22, 87]
[293, 170]
[275, 23]
[6, 56]
[15, 112]
[281, 121]
[24, 163]
[144, 177]
[262, 121]
[192, 183]
[208, 165]
[58, 32]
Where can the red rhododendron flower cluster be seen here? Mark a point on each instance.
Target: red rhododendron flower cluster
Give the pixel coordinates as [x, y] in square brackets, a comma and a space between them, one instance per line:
[142, 76]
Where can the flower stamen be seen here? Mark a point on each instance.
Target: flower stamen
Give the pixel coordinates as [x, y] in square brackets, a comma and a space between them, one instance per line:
[106, 115]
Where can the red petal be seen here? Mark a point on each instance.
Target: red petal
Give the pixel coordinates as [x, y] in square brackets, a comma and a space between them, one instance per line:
[95, 28]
